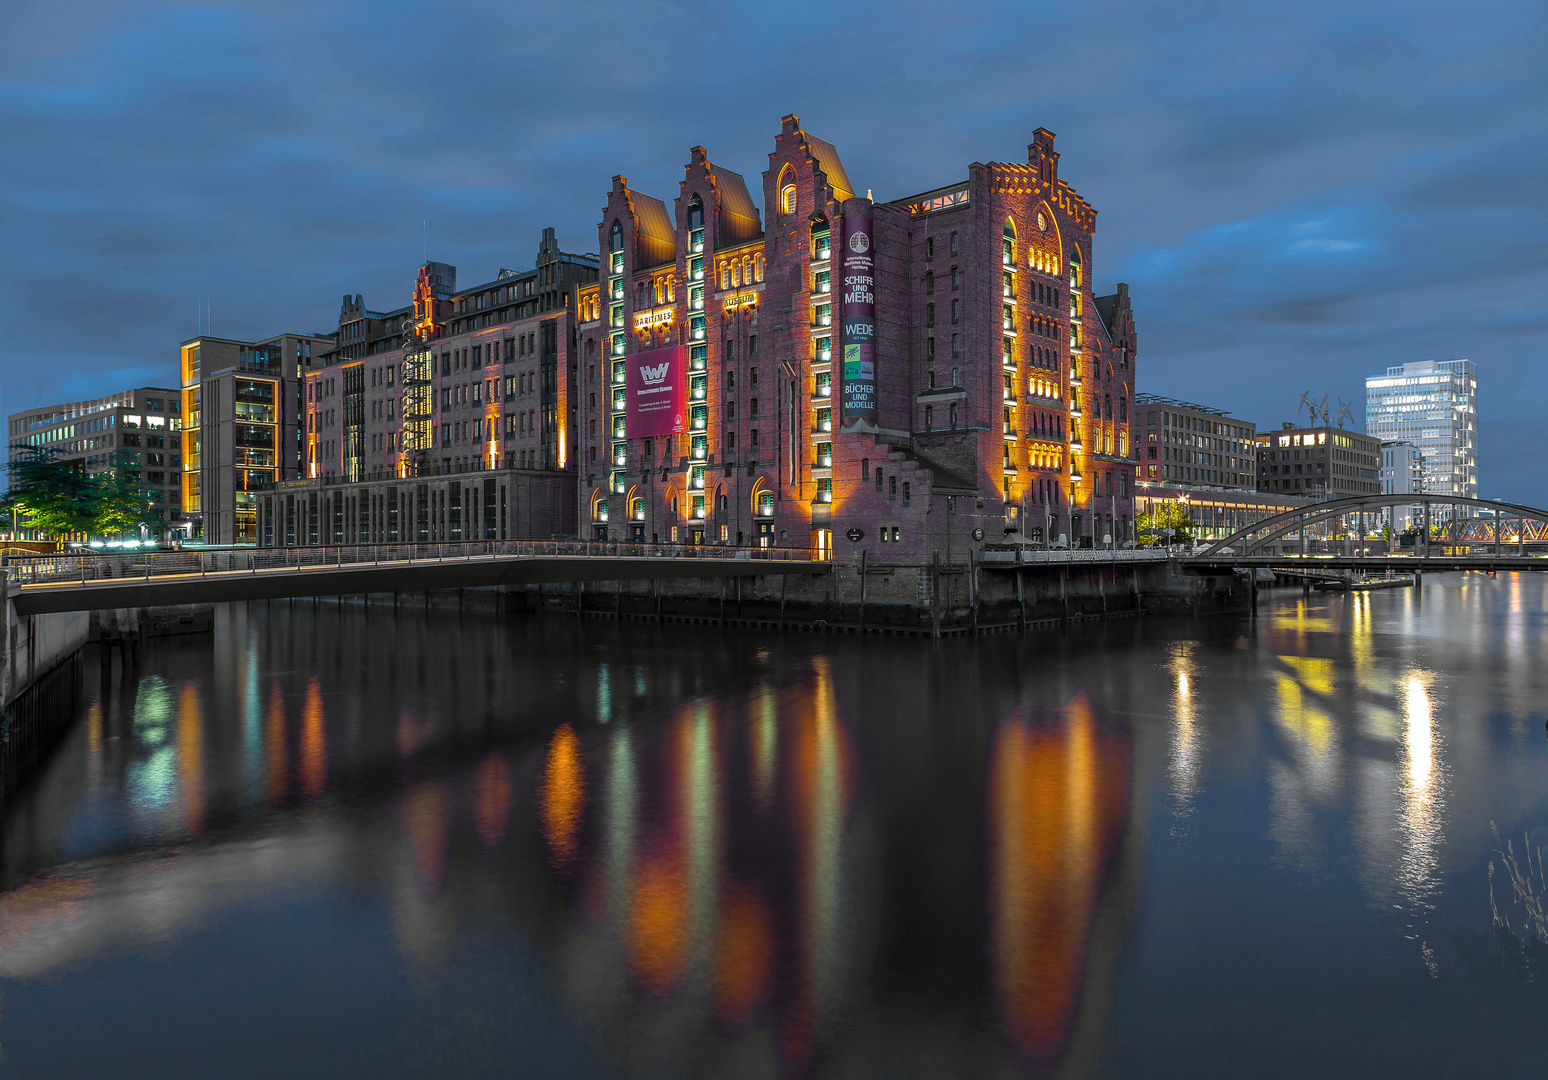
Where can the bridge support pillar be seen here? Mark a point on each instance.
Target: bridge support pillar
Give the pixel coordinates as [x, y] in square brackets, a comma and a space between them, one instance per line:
[1021, 601]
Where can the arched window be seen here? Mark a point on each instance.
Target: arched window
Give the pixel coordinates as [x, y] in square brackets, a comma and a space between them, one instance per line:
[1008, 244]
[787, 191]
[615, 238]
[929, 281]
[1075, 268]
[1123, 409]
[696, 213]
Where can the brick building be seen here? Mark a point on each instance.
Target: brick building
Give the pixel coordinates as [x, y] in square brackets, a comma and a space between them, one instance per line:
[447, 419]
[987, 385]
[1319, 462]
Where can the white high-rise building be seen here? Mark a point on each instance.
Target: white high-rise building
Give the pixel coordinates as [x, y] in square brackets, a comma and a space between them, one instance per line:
[1433, 406]
[1402, 473]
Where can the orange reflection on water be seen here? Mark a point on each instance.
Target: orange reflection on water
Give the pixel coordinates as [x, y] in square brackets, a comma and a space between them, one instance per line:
[658, 920]
[274, 743]
[492, 801]
[1058, 807]
[744, 955]
[314, 742]
[820, 762]
[190, 758]
[425, 821]
[563, 796]
[659, 900]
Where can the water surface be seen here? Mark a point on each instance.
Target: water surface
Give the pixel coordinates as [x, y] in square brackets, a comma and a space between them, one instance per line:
[356, 842]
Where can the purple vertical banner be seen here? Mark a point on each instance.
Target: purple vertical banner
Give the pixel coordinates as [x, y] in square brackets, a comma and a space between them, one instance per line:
[858, 316]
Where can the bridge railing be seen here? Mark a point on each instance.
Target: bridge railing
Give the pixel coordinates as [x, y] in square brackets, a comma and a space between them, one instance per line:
[115, 566]
[1020, 557]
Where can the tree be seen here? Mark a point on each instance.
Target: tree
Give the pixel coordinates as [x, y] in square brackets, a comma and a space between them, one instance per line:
[54, 496]
[1169, 522]
[61, 500]
[121, 503]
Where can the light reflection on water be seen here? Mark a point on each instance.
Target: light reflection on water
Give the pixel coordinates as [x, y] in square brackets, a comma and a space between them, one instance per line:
[603, 850]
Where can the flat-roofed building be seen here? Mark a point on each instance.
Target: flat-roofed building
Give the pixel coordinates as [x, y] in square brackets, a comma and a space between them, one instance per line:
[1185, 443]
[138, 429]
[241, 431]
[1318, 462]
[1433, 406]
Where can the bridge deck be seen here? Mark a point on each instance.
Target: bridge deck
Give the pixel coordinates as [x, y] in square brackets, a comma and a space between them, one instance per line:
[202, 586]
[1293, 564]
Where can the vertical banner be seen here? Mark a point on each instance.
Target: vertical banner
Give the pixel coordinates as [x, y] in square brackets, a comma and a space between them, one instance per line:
[858, 315]
[656, 393]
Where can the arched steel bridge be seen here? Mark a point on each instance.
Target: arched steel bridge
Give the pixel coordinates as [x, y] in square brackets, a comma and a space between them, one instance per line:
[1247, 541]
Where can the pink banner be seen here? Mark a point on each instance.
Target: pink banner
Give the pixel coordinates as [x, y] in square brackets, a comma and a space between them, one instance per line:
[656, 385]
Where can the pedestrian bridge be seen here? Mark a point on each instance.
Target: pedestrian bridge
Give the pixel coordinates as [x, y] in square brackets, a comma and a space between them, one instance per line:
[39, 585]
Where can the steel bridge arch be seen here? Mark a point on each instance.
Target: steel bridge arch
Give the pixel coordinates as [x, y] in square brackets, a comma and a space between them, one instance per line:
[1280, 524]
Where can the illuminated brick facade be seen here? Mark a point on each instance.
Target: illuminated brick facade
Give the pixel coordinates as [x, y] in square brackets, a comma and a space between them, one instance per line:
[415, 402]
[1003, 384]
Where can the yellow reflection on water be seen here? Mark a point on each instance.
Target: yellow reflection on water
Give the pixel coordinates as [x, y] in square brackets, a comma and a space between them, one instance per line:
[1059, 801]
[314, 742]
[563, 795]
[765, 744]
[1421, 785]
[1184, 764]
[1314, 672]
[190, 758]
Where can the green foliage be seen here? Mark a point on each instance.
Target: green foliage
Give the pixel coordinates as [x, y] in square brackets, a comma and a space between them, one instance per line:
[1170, 522]
[62, 500]
[54, 497]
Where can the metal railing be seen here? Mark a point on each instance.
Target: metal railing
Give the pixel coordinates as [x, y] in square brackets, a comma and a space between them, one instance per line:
[1023, 557]
[118, 566]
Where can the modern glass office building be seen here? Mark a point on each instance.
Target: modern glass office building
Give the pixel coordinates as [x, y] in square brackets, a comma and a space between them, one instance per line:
[1432, 405]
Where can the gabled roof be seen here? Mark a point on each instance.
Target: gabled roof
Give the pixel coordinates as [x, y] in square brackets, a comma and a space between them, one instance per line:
[657, 236]
[828, 158]
[738, 215]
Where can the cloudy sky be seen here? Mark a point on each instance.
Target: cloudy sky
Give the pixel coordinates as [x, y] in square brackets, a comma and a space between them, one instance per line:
[1298, 194]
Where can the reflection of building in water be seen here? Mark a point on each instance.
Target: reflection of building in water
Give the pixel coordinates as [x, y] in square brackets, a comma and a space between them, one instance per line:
[1058, 811]
[717, 860]
[1337, 702]
[1187, 739]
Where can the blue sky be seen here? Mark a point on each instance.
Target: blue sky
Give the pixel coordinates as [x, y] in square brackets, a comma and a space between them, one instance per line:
[1298, 195]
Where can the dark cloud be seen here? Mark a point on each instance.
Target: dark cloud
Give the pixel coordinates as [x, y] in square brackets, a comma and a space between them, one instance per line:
[1298, 195]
